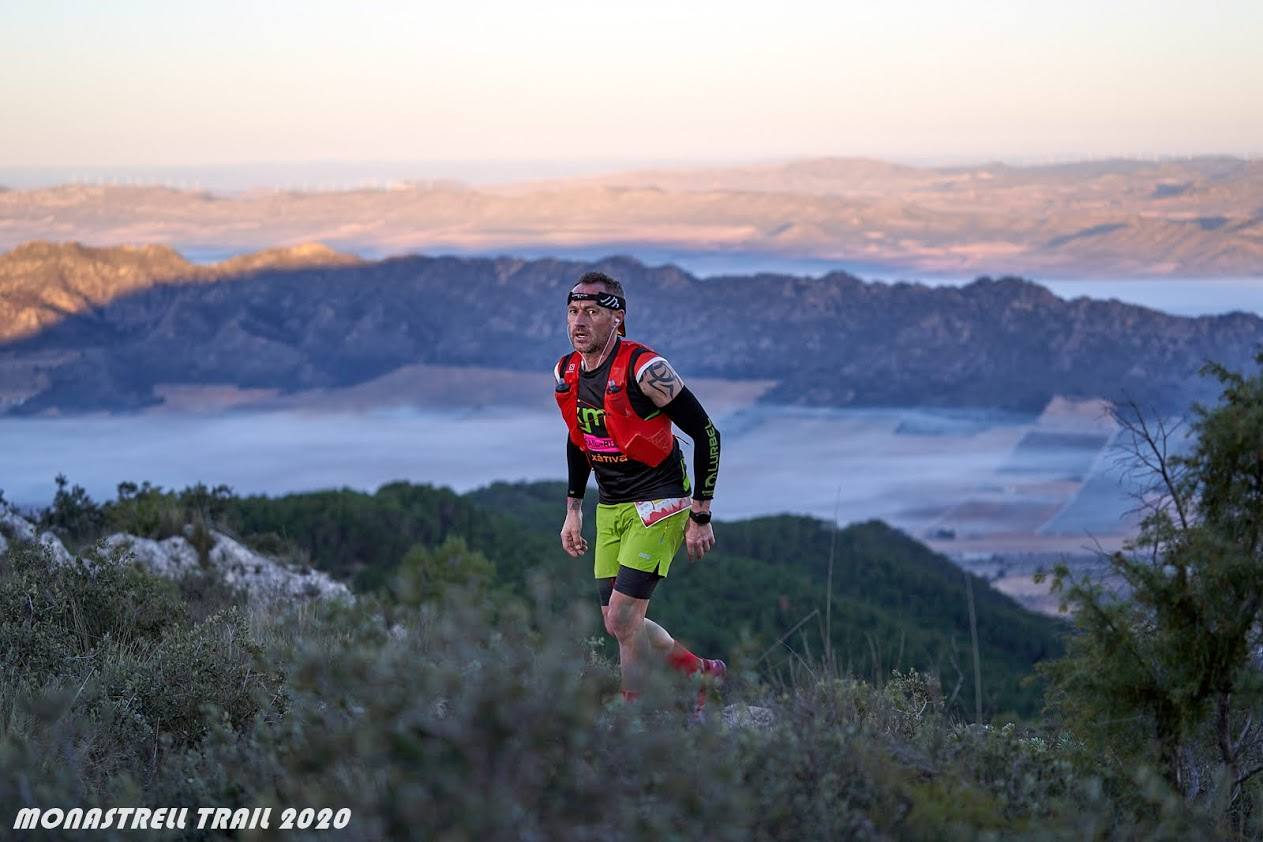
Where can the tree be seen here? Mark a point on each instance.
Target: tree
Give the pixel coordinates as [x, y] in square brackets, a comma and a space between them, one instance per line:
[73, 515]
[426, 574]
[1164, 668]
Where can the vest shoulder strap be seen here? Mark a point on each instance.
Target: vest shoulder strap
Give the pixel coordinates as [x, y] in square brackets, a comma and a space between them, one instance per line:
[636, 355]
[620, 369]
[568, 368]
[625, 377]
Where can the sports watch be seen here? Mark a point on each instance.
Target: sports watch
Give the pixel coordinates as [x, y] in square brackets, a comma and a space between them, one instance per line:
[702, 518]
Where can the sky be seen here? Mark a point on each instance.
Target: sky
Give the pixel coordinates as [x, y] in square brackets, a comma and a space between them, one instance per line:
[585, 84]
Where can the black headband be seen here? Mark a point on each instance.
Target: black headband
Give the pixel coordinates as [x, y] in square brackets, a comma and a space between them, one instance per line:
[608, 300]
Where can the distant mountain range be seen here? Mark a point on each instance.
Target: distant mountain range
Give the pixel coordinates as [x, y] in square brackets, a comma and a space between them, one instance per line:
[42, 283]
[1101, 219]
[90, 329]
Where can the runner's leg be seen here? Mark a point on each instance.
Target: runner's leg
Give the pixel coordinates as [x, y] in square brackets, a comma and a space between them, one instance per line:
[658, 638]
[665, 646]
[644, 556]
[625, 619]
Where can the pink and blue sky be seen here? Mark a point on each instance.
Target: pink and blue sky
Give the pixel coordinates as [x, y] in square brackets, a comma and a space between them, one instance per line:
[126, 84]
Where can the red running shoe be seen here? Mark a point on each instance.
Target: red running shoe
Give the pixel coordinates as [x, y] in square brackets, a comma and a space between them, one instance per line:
[716, 669]
[713, 672]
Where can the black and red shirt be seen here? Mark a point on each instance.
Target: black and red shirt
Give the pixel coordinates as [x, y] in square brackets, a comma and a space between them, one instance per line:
[619, 478]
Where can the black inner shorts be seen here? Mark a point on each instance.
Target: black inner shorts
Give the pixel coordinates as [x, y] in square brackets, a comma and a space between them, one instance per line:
[637, 584]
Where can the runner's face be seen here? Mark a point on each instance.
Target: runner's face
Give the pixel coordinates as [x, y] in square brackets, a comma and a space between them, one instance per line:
[588, 325]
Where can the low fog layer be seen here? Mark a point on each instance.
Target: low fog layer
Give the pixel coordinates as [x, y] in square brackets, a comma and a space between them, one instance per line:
[957, 475]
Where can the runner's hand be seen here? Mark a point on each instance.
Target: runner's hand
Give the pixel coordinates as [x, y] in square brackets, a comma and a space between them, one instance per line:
[572, 540]
[698, 539]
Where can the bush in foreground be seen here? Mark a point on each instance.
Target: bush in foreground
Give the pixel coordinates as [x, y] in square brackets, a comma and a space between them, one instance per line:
[442, 721]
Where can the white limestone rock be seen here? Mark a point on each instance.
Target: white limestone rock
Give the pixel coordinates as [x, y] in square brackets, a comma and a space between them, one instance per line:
[262, 578]
[17, 527]
[268, 579]
[172, 557]
[14, 528]
[61, 555]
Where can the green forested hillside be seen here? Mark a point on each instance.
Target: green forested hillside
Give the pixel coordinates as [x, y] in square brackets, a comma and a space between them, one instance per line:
[363, 536]
[758, 600]
[895, 602]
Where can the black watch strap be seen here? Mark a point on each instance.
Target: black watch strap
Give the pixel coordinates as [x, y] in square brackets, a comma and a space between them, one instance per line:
[702, 518]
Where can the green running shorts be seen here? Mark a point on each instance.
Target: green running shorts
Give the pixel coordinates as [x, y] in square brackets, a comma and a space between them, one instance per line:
[623, 538]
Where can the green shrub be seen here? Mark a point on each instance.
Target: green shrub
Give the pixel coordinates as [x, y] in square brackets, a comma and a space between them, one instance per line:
[104, 674]
[73, 516]
[54, 615]
[427, 574]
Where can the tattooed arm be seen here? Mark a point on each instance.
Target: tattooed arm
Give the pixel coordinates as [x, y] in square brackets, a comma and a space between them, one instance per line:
[659, 381]
[662, 385]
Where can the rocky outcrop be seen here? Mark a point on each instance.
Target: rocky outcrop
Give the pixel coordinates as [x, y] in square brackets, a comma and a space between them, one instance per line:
[17, 528]
[263, 579]
[42, 283]
[14, 526]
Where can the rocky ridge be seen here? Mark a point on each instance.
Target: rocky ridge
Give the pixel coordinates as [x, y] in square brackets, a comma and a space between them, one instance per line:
[263, 579]
[44, 282]
[833, 341]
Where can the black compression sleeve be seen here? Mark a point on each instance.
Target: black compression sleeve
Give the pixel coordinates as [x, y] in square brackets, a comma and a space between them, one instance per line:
[578, 470]
[687, 413]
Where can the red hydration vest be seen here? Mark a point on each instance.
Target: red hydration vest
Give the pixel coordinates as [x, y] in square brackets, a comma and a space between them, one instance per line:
[649, 441]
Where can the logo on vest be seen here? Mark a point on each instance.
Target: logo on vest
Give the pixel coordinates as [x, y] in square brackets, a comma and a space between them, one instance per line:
[589, 418]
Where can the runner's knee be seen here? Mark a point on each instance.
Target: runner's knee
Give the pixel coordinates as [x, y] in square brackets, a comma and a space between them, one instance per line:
[622, 621]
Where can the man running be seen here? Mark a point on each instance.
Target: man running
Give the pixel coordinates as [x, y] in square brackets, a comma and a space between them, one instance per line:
[618, 399]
